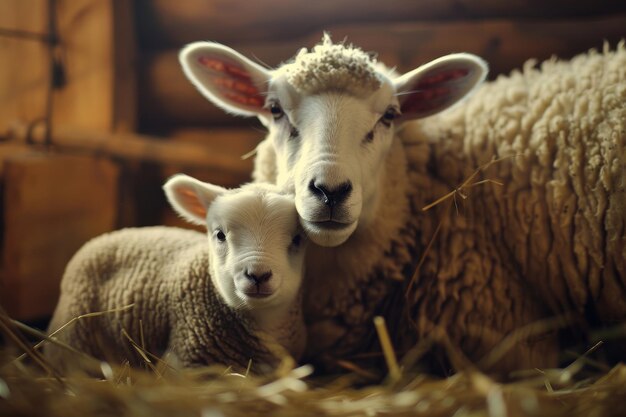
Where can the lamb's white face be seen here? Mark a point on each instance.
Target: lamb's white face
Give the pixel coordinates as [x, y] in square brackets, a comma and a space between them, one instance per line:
[256, 249]
[255, 241]
[331, 149]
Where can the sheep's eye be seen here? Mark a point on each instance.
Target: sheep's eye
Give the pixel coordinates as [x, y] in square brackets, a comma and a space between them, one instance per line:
[220, 236]
[295, 242]
[389, 116]
[276, 110]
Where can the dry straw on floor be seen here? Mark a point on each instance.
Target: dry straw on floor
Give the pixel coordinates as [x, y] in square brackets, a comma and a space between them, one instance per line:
[34, 389]
[30, 386]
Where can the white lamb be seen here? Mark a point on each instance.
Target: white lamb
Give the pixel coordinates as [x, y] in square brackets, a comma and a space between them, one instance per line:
[549, 241]
[229, 299]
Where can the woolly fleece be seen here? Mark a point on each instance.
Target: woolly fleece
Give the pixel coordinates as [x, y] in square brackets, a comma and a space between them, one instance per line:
[551, 240]
[332, 66]
[165, 273]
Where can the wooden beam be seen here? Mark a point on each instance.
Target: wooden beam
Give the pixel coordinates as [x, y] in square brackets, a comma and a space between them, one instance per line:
[220, 150]
[24, 71]
[174, 23]
[171, 99]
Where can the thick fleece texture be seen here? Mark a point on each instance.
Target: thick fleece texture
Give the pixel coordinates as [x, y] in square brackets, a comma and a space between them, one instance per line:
[330, 66]
[164, 272]
[550, 240]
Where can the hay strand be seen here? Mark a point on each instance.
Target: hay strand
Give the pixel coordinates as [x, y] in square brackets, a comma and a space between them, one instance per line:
[389, 353]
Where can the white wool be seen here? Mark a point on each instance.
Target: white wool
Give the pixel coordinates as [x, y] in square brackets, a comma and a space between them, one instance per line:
[331, 66]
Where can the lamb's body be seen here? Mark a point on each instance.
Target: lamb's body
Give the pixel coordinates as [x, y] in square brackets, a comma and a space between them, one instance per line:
[226, 298]
[551, 240]
[176, 307]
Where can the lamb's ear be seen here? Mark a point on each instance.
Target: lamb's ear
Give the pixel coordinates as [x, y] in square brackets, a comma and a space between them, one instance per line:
[191, 198]
[227, 78]
[435, 86]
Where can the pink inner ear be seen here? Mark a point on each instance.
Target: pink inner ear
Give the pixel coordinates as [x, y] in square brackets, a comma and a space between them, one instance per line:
[232, 81]
[189, 200]
[433, 90]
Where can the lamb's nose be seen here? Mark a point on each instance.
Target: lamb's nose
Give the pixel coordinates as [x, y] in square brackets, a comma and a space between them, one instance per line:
[331, 196]
[258, 277]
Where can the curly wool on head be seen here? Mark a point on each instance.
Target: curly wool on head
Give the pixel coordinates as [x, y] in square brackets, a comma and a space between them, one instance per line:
[332, 66]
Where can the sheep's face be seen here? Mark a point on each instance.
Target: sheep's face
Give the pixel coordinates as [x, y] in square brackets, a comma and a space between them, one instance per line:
[331, 149]
[331, 115]
[255, 242]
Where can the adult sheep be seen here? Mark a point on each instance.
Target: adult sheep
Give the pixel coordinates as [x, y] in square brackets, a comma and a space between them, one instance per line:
[548, 241]
[231, 298]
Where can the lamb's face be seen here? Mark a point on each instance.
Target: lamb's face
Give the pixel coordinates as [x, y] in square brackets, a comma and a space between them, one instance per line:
[255, 248]
[331, 149]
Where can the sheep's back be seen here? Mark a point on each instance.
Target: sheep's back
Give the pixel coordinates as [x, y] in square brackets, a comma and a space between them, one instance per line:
[551, 238]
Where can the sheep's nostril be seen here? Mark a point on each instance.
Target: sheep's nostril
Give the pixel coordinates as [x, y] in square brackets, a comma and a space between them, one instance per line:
[331, 196]
[317, 191]
[258, 277]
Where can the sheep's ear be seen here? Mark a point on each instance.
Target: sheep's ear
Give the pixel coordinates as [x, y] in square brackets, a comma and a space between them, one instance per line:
[439, 84]
[227, 78]
[191, 198]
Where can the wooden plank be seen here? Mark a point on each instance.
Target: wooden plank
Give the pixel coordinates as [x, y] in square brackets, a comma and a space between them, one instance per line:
[96, 51]
[174, 23]
[52, 205]
[124, 67]
[98, 62]
[24, 69]
[504, 44]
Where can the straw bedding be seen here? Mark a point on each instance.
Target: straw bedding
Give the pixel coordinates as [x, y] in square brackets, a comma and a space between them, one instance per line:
[29, 386]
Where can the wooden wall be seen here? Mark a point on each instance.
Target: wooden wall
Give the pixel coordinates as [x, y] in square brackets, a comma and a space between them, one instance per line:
[405, 33]
[54, 201]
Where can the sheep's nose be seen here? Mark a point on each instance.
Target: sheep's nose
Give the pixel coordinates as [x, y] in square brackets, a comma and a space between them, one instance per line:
[258, 277]
[331, 196]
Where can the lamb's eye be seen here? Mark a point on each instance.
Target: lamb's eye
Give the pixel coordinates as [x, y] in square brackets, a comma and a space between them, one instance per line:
[220, 236]
[276, 110]
[295, 242]
[389, 116]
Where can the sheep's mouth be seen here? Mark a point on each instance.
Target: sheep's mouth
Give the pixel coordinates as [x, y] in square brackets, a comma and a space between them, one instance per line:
[328, 233]
[251, 294]
[330, 225]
